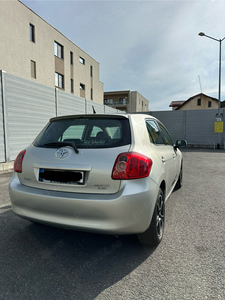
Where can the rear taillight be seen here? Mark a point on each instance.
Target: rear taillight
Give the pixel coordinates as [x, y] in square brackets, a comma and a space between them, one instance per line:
[18, 162]
[131, 165]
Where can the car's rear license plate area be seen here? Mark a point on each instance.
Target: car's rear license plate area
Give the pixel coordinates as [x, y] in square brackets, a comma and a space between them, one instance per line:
[61, 176]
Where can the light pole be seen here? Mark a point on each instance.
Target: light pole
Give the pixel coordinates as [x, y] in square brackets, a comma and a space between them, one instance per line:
[219, 91]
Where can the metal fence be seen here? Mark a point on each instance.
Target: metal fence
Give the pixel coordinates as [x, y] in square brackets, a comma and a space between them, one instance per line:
[25, 108]
[195, 126]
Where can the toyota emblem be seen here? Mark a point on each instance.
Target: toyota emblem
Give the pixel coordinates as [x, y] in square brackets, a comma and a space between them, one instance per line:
[62, 153]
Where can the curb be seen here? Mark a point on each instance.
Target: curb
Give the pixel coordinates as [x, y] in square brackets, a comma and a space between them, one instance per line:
[5, 206]
[8, 166]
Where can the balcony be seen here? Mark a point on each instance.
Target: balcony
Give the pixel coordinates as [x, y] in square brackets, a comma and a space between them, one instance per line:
[120, 103]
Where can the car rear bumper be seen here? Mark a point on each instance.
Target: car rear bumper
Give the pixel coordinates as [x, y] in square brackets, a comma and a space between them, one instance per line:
[128, 211]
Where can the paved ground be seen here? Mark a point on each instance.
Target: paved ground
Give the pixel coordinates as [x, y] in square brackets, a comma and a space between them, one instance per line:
[40, 262]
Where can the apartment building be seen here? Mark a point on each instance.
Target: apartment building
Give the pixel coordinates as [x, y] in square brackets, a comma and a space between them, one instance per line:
[31, 48]
[129, 101]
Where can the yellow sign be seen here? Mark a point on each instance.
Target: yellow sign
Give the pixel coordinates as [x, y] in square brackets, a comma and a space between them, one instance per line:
[218, 126]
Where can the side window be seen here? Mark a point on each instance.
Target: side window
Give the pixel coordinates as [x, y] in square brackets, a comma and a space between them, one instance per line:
[154, 133]
[166, 135]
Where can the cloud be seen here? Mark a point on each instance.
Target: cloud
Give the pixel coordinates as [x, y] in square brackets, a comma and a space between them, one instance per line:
[149, 46]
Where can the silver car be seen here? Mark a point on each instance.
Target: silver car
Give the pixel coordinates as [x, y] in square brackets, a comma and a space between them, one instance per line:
[108, 174]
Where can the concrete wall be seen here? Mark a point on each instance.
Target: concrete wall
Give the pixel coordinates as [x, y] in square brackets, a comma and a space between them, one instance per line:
[17, 51]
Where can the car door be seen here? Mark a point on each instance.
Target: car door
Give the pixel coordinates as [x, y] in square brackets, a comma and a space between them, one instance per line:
[169, 142]
[164, 149]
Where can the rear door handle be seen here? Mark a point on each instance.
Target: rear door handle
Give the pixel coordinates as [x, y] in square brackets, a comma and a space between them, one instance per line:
[163, 159]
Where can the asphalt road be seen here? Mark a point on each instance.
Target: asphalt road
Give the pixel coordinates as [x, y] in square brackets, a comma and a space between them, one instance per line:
[40, 262]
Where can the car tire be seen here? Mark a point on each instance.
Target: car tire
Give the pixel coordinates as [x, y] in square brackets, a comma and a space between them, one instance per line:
[180, 179]
[154, 234]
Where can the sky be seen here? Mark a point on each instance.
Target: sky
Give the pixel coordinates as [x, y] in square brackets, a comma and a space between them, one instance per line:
[152, 47]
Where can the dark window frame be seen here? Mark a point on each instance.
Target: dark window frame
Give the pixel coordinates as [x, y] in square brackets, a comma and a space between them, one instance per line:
[34, 69]
[82, 86]
[32, 33]
[82, 60]
[58, 50]
[71, 86]
[59, 83]
[71, 57]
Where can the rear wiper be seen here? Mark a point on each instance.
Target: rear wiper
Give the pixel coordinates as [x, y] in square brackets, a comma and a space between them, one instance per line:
[71, 144]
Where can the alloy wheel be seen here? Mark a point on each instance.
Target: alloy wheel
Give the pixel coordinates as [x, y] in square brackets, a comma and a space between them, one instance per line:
[160, 216]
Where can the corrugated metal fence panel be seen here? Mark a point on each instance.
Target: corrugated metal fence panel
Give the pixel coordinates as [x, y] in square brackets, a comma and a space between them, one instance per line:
[29, 107]
[99, 108]
[110, 110]
[174, 122]
[196, 126]
[200, 127]
[2, 145]
[69, 104]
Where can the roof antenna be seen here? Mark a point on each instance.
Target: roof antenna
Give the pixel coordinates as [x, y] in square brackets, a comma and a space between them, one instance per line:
[200, 83]
[94, 112]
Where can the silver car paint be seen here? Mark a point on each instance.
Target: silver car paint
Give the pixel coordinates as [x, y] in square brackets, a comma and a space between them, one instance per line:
[127, 211]
[96, 163]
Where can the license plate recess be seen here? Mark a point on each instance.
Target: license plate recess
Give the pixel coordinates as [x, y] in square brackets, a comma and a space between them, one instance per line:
[61, 176]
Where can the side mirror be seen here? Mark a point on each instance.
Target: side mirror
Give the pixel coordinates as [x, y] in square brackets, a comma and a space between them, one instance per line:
[181, 143]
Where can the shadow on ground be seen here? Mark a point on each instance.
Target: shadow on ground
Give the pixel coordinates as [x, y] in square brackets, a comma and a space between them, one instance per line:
[41, 261]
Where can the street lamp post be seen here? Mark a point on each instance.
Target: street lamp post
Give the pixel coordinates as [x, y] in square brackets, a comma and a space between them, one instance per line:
[219, 91]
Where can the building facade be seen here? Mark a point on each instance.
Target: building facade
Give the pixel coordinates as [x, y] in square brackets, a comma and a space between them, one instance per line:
[31, 48]
[129, 101]
[199, 101]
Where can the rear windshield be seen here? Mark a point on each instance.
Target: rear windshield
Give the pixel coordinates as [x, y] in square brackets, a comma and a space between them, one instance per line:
[86, 132]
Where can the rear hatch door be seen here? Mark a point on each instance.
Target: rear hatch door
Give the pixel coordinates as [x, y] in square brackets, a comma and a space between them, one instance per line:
[83, 168]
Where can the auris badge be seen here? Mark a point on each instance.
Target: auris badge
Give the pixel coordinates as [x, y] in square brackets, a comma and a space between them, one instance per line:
[62, 153]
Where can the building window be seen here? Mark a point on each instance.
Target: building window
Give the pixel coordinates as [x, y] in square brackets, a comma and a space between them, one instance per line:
[91, 71]
[209, 104]
[108, 101]
[58, 50]
[91, 94]
[59, 80]
[199, 102]
[32, 33]
[82, 60]
[71, 58]
[71, 85]
[122, 101]
[33, 69]
[82, 86]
